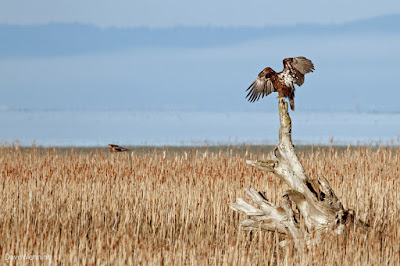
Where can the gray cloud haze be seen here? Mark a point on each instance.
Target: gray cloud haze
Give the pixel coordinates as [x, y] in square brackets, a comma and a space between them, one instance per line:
[160, 13]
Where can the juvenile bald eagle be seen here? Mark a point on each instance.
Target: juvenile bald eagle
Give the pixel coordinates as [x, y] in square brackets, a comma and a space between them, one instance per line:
[269, 81]
[116, 148]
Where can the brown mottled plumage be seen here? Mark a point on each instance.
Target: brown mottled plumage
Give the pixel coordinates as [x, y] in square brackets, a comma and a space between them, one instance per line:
[116, 148]
[269, 81]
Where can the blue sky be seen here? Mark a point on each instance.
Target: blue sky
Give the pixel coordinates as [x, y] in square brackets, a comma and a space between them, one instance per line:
[349, 64]
[161, 13]
[196, 57]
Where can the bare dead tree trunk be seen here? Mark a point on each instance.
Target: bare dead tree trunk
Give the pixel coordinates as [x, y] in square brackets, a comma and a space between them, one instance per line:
[309, 208]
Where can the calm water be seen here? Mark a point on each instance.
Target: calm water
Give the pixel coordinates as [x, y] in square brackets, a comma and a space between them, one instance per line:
[98, 128]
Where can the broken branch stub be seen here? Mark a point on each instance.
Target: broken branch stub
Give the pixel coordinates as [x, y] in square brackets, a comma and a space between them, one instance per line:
[317, 205]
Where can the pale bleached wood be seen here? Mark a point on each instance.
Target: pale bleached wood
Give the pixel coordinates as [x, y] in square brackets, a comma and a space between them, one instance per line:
[319, 208]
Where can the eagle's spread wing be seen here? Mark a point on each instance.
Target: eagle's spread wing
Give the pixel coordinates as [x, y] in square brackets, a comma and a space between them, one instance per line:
[261, 87]
[300, 67]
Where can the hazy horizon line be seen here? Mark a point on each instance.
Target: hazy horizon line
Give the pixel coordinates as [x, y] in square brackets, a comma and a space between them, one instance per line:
[183, 26]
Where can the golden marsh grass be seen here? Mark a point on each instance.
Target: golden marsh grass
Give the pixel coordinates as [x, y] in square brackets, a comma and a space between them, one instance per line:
[171, 207]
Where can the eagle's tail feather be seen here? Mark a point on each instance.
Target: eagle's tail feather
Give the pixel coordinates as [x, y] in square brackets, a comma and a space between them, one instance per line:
[291, 100]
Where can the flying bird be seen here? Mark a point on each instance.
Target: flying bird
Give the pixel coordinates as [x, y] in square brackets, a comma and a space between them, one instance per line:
[116, 148]
[269, 81]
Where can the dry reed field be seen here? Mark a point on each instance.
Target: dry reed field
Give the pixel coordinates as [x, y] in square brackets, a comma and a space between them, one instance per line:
[167, 206]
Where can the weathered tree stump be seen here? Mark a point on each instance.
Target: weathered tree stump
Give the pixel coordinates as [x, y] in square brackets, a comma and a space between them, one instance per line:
[316, 208]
